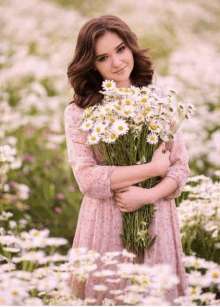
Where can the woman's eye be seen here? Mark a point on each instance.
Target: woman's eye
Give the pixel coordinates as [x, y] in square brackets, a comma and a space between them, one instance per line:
[122, 48]
[101, 59]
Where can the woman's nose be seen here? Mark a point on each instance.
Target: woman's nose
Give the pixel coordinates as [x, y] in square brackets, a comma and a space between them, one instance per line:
[116, 62]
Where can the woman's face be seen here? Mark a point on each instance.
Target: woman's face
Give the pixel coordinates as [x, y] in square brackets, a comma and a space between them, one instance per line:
[112, 55]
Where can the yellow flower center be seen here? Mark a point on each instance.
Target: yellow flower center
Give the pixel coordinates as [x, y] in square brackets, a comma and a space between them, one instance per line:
[36, 233]
[118, 107]
[108, 84]
[14, 292]
[215, 275]
[98, 129]
[143, 100]
[153, 127]
[88, 115]
[112, 136]
[152, 138]
[120, 128]
[197, 264]
[128, 102]
[93, 138]
[112, 120]
[87, 125]
[139, 118]
[148, 108]
[193, 291]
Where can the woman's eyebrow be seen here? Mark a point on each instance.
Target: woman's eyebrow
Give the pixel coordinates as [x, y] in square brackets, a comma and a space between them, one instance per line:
[106, 53]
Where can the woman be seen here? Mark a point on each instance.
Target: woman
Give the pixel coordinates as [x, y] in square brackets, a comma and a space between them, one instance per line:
[107, 49]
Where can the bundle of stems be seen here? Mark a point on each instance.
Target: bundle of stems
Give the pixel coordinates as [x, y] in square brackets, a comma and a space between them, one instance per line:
[127, 150]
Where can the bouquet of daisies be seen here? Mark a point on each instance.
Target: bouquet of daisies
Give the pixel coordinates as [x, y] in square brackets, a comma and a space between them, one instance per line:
[130, 123]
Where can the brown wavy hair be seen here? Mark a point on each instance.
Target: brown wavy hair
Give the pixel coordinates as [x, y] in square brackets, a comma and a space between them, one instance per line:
[87, 82]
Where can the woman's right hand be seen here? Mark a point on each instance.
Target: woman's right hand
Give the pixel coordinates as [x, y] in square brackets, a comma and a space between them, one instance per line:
[161, 160]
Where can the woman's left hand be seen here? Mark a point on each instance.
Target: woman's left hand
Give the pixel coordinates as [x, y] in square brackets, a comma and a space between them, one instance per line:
[132, 198]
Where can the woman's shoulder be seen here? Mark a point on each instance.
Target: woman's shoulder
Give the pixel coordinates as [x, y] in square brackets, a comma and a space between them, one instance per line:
[73, 112]
[73, 108]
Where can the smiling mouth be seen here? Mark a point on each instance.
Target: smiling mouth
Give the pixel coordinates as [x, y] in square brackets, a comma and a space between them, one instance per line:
[120, 70]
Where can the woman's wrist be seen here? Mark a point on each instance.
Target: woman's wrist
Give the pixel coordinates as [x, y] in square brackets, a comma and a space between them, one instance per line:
[153, 169]
[149, 196]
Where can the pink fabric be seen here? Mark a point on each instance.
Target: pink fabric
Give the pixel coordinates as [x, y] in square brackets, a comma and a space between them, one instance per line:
[100, 220]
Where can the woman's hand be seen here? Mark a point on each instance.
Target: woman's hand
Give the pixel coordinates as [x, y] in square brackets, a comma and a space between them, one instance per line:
[161, 160]
[132, 198]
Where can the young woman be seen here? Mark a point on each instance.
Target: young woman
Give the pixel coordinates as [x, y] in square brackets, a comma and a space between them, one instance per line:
[107, 49]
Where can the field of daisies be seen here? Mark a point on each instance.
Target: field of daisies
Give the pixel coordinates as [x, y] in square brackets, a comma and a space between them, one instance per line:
[39, 197]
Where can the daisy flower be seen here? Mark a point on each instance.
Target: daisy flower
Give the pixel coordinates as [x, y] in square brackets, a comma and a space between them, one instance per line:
[182, 106]
[139, 118]
[109, 137]
[155, 126]
[120, 127]
[98, 128]
[87, 125]
[128, 112]
[93, 138]
[134, 90]
[111, 119]
[190, 109]
[144, 90]
[152, 138]
[143, 99]
[108, 85]
[207, 297]
[135, 104]
[171, 90]
[107, 108]
[127, 102]
[100, 115]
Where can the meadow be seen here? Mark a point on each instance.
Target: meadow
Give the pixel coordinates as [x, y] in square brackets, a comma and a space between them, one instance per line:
[40, 199]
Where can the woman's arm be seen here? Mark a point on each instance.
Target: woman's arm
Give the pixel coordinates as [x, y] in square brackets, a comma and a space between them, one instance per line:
[132, 198]
[163, 189]
[99, 181]
[125, 176]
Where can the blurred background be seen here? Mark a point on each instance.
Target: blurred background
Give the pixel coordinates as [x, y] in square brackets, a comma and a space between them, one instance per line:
[38, 41]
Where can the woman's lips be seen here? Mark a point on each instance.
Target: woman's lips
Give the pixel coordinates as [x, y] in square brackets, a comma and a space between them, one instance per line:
[120, 71]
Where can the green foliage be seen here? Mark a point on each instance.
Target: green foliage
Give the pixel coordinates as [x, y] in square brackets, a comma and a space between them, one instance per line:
[54, 198]
[199, 241]
[86, 7]
[47, 83]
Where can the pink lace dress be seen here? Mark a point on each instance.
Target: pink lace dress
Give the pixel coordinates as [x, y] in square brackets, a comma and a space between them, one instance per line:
[100, 220]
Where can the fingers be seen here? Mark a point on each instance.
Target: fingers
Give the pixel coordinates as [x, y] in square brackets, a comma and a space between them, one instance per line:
[121, 190]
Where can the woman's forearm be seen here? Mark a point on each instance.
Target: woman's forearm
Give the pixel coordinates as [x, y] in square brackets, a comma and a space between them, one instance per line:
[124, 176]
[163, 189]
